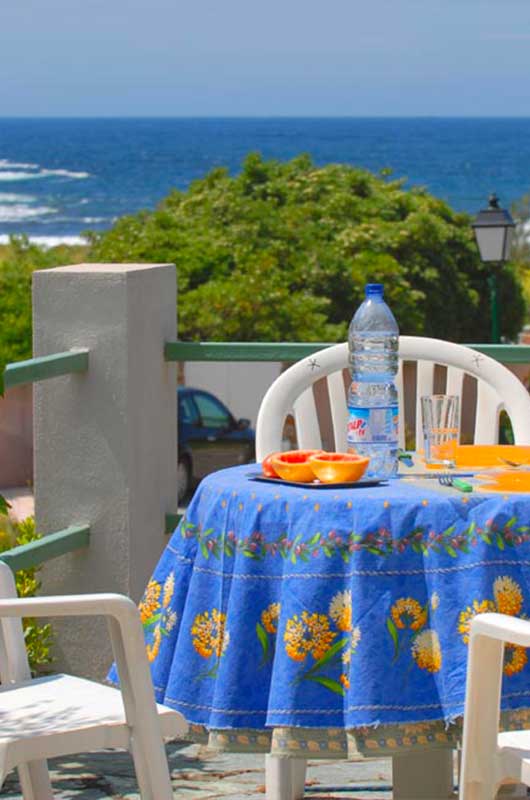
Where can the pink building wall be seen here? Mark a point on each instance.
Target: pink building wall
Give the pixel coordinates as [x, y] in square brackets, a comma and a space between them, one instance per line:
[16, 437]
[16, 422]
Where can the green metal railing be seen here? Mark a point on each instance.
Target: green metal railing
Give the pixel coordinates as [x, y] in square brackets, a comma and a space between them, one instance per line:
[171, 522]
[45, 367]
[240, 351]
[57, 544]
[76, 361]
[293, 351]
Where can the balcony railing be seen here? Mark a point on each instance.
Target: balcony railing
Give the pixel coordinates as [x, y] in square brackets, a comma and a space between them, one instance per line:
[76, 361]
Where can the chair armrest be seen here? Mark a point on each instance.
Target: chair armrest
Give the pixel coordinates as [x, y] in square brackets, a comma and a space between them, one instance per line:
[127, 638]
[118, 606]
[488, 633]
[502, 628]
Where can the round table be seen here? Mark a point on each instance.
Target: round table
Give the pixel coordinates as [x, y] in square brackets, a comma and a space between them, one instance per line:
[326, 621]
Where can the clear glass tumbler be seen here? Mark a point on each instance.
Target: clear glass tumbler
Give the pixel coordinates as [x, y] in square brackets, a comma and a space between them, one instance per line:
[440, 428]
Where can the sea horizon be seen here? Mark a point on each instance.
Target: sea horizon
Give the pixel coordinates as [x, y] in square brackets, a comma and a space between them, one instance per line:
[264, 116]
[62, 176]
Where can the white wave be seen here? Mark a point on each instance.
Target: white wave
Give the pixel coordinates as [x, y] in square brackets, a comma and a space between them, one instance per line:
[12, 197]
[13, 175]
[5, 163]
[65, 173]
[79, 220]
[50, 241]
[14, 212]
[18, 176]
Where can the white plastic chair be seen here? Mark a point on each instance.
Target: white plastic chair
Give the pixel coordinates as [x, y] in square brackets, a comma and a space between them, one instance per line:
[291, 392]
[490, 758]
[62, 714]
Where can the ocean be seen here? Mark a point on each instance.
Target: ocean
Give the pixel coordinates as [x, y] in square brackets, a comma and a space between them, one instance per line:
[62, 177]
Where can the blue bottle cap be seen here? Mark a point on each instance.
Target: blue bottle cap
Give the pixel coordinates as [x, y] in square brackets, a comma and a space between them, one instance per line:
[374, 288]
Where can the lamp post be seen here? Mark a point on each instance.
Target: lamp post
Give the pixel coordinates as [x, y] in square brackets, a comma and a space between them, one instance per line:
[494, 228]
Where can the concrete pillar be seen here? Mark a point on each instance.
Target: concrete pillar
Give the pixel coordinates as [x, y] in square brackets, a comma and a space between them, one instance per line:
[423, 775]
[105, 440]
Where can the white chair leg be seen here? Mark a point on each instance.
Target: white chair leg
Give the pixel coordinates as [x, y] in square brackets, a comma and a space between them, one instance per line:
[35, 780]
[284, 777]
[152, 771]
[299, 771]
[480, 759]
[479, 791]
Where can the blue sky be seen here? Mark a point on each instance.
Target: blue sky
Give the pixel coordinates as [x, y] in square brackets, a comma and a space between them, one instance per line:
[279, 57]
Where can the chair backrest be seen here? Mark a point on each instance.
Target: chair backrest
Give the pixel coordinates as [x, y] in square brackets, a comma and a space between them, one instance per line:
[293, 392]
[14, 666]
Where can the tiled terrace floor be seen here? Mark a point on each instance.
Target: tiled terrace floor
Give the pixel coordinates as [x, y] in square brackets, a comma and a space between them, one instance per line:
[199, 774]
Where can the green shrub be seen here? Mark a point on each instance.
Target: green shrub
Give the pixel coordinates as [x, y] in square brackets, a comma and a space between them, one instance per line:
[18, 261]
[281, 252]
[38, 637]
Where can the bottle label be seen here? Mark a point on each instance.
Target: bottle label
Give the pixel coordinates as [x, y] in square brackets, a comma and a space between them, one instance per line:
[372, 425]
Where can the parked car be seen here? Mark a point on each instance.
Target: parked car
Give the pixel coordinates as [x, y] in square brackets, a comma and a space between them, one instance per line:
[209, 437]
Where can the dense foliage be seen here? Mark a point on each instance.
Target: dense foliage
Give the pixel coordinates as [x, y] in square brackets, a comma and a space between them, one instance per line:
[283, 250]
[38, 637]
[18, 261]
[520, 254]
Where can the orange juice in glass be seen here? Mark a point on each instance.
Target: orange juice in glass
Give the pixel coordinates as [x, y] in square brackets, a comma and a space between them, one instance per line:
[440, 424]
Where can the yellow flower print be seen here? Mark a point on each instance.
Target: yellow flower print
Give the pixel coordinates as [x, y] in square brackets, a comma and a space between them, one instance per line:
[295, 644]
[152, 650]
[320, 634]
[465, 617]
[224, 643]
[269, 617]
[435, 600]
[416, 727]
[171, 621]
[340, 610]
[209, 633]
[345, 681]
[408, 613]
[150, 601]
[515, 659]
[518, 719]
[352, 646]
[309, 633]
[169, 588]
[426, 651]
[508, 596]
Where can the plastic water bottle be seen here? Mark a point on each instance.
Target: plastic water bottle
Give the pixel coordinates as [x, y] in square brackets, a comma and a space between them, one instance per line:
[372, 397]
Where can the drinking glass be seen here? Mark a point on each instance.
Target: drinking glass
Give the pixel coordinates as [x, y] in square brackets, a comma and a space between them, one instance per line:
[440, 428]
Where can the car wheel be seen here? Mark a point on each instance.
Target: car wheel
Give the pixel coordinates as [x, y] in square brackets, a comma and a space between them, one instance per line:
[183, 478]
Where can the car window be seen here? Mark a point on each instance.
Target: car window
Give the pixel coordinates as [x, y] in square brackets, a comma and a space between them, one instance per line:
[188, 413]
[213, 413]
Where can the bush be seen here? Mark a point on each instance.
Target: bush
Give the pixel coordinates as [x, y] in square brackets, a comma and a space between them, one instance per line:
[18, 261]
[38, 637]
[282, 252]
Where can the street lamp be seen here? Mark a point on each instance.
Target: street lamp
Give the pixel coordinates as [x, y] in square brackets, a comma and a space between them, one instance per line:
[494, 228]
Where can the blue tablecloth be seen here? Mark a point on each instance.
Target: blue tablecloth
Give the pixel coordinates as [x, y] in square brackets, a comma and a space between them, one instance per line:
[275, 605]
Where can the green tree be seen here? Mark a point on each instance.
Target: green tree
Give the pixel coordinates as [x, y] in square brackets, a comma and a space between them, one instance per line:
[17, 263]
[282, 252]
[521, 246]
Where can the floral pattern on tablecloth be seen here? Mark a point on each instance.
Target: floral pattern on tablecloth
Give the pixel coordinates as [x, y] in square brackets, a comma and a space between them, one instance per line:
[280, 608]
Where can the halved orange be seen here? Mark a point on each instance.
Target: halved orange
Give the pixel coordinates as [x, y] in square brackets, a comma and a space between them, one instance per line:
[338, 467]
[294, 465]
